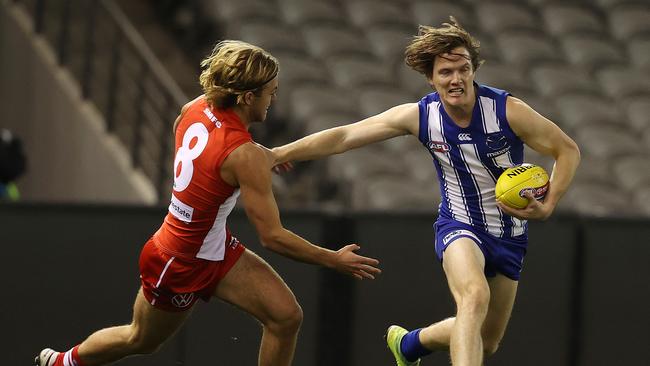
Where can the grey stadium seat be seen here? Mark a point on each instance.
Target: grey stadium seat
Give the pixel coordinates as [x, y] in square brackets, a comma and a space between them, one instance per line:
[296, 70]
[353, 72]
[639, 50]
[413, 81]
[434, 13]
[271, 36]
[633, 171]
[328, 40]
[611, 4]
[592, 168]
[554, 80]
[641, 198]
[591, 51]
[563, 19]
[389, 43]
[366, 13]
[522, 48]
[607, 142]
[310, 100]
[637, 111]
[503, 76]
[621, 82]
[301, 12]
[239, 10]
[395, 194]
[496, 17]
[364, 162]
[584, 111]
[323, 121]
[626, 22]
[596, 199]
[376, 100]
[543, 105]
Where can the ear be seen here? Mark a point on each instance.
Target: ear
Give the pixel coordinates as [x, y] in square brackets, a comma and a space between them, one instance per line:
[247, 98]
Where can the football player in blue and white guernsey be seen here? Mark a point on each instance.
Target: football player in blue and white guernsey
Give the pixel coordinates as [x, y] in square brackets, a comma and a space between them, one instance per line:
[473, 133]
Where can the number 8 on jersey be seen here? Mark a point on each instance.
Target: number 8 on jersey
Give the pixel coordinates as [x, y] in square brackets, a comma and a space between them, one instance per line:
[183, 163]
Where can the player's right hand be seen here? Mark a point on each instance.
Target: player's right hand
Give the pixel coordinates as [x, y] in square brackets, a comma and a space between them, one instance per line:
[359, 267]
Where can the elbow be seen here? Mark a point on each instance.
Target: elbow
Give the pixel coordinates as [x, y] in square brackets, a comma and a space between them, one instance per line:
[271, 240]
[575, 151]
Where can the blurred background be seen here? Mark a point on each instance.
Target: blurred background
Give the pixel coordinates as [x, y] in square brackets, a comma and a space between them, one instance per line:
[89, 90]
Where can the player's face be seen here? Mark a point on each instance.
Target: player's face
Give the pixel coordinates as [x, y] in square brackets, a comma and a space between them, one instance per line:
[263, 100]
[453, 77]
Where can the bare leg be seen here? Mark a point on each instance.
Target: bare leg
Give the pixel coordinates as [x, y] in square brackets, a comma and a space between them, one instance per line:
[256, 288]
[463, 264]
[149, 329]
[503, 290]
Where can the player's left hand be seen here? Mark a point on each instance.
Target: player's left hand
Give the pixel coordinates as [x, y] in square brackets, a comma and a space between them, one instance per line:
[536, 210]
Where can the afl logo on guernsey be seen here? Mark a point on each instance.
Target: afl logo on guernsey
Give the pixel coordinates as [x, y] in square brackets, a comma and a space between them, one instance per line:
[438, 146]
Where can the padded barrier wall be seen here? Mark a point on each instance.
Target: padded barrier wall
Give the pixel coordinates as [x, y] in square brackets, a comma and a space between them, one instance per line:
[69, 270]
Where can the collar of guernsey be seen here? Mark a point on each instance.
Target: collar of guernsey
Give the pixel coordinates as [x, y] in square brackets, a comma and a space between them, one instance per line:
[226, 116]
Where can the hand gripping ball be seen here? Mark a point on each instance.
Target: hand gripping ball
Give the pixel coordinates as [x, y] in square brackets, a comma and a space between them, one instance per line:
[515, 181]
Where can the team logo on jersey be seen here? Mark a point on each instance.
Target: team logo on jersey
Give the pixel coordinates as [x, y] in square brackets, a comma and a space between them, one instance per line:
[438, 146]
[208, 113]
[183, 300]
[464, 137]
[496, 141]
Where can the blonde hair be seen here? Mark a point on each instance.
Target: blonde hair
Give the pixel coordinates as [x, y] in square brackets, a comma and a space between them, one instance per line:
[430, 42]
[234, 68]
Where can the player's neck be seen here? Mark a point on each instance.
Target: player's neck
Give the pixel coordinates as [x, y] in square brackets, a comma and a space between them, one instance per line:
[243, 115]
[460, 114]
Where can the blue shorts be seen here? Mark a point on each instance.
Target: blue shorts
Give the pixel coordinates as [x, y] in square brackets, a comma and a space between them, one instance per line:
[505, 256]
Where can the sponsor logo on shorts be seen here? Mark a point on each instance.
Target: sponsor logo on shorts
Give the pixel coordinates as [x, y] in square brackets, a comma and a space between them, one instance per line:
[233, 242]
[457, 233]
[438, 146]
[183, 300]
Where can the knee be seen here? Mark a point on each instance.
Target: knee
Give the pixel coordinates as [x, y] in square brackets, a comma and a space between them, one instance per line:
[139, 344]
[490, 347]
[475, 298]
[286, 320]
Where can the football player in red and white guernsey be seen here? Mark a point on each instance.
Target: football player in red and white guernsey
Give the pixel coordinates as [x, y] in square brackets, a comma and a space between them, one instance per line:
[193, 255]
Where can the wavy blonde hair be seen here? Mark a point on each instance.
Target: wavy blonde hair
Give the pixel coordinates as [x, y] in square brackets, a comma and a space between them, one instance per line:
[431, 42]
[234, 68]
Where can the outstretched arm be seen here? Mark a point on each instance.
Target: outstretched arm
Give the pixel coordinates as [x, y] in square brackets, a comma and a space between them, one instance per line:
[545, 137]
[243, 168]
[397, 121]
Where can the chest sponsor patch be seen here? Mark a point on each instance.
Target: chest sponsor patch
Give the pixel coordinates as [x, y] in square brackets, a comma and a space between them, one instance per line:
[181, 210]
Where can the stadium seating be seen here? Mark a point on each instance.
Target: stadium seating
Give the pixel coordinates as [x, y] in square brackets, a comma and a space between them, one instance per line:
[300, 12]
[630, 21]
[563, 19]
[638, 113]
[583, 64]
[496, 17]
[367, 13]
[522, 48]
[560, 79]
